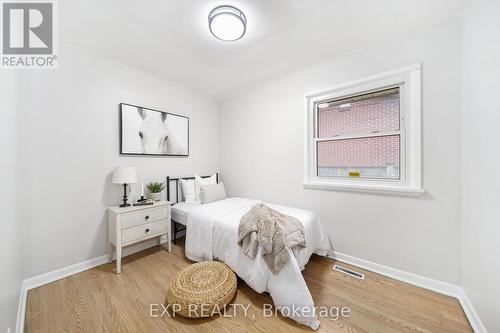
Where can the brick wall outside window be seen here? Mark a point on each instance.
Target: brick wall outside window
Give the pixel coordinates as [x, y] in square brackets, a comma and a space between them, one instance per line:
[363, 153]
[377, 114]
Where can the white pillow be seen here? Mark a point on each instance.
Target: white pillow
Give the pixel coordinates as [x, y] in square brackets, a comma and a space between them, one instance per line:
[188, 190]
[212, 192]
[203, 181]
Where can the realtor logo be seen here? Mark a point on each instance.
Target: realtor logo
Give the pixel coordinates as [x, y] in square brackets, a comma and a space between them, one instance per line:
[28, 34]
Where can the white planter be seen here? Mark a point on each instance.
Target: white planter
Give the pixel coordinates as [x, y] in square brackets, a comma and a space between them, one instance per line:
[155, 196]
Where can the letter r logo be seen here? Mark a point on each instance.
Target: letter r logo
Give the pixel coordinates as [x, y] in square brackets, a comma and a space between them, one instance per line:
[27, 28]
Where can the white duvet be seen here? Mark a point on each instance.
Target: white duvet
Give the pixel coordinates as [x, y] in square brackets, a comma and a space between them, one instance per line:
[212, 233]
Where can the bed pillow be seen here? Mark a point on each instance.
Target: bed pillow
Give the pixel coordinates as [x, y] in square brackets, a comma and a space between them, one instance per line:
[212, 192]
[212, 180]
[188, 190]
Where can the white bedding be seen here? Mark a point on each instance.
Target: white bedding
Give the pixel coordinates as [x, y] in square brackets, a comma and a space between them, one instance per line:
[212, 232]
[180, 211]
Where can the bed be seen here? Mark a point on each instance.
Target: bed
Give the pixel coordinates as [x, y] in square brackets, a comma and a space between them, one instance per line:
[212, 232]
[180, 213]
[181, 210]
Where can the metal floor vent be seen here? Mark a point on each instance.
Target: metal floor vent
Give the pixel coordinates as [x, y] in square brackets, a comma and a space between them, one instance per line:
[348, 271]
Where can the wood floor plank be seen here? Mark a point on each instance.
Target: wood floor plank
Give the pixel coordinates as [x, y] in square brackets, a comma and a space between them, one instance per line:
[98, 300]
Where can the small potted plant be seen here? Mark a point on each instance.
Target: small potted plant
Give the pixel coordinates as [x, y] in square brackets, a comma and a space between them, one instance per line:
[155, 190]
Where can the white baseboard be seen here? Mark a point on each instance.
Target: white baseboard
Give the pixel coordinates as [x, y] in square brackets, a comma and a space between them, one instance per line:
[61, 273]
[410, 278]
[49, 277]
[447, 289]
[470, 312]
[444, 288]
[21, 310]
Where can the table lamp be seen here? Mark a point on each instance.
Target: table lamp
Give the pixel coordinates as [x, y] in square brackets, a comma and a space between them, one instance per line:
[124, 175]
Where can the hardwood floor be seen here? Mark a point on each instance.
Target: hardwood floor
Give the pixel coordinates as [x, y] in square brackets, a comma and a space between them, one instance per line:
[98, 300]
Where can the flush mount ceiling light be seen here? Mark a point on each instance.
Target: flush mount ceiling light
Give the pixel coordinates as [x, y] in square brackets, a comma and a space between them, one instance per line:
[227, 23]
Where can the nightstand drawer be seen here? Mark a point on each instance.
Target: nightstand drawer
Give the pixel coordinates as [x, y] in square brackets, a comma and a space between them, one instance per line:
[144, 231]
[143, 216]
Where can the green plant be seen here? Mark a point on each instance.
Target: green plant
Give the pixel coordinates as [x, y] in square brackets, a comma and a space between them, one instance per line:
[155, 187]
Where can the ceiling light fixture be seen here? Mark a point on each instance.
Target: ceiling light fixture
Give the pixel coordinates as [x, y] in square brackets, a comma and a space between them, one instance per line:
[227, 23]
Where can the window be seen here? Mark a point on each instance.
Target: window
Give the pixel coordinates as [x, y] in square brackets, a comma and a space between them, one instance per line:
[359, 136]
[365, 135]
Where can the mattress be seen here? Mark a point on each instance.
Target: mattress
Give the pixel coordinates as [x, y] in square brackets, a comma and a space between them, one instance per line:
[213, 234]
[180, 211]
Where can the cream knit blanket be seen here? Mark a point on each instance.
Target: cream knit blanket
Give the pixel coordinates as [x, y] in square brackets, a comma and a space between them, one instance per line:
[275, 232]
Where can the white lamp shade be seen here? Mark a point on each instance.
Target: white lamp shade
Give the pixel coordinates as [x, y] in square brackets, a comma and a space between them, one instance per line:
[124, 175]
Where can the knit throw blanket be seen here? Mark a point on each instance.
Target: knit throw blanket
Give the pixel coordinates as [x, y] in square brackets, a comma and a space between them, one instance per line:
[275, 232]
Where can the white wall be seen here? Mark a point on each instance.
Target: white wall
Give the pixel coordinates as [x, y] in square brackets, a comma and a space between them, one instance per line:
[69, 144]
[262, 150]
[481, 159]
[60, 144]
[10, 276]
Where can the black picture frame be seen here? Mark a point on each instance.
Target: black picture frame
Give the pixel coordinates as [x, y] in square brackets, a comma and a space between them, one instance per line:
[121, 110]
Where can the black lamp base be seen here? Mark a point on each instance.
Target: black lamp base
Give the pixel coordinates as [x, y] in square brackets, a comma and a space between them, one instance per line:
[125, 204]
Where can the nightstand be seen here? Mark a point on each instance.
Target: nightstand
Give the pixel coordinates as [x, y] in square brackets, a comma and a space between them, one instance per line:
[130, 225]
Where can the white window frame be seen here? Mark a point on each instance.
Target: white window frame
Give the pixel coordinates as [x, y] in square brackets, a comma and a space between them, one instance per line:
[408, 79]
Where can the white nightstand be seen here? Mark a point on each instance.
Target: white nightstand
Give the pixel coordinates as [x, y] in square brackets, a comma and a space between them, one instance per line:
[134, 224]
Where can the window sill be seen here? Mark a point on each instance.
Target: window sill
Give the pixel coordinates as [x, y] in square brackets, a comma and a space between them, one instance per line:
[367, 188]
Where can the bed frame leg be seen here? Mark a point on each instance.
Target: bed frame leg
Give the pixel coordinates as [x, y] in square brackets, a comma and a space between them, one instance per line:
[175, 232]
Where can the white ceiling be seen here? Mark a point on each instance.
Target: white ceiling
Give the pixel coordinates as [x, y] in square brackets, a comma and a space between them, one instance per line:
[170, 38]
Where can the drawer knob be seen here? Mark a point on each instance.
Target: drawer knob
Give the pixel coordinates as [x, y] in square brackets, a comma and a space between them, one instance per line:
[147, 217]
[147, 230]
